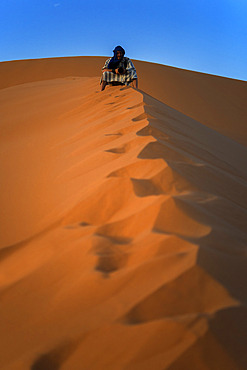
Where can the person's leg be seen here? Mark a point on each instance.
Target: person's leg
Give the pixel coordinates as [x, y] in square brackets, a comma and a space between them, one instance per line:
[135, 83]
[105, 79]
[104, 83]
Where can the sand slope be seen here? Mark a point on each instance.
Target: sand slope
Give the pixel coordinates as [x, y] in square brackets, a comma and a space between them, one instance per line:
[219, 103]
[123, 242]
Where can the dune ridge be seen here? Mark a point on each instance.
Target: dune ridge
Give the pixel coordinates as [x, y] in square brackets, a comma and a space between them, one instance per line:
[132, 253]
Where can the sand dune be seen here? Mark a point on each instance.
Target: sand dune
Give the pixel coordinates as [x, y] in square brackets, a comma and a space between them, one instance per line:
[123, 241]
[217, 102]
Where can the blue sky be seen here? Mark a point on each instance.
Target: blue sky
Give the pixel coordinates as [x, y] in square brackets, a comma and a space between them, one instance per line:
[203, 35]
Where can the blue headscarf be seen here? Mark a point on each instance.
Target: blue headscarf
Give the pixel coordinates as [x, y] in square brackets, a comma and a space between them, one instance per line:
[114, 62]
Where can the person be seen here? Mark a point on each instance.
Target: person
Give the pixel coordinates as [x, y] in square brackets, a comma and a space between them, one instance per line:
[119, 70]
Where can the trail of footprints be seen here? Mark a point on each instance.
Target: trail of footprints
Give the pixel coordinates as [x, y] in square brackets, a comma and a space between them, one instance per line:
[147, 175]
[137, 198]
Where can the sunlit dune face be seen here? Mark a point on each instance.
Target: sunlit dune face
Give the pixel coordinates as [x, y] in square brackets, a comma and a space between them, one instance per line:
[132, 223]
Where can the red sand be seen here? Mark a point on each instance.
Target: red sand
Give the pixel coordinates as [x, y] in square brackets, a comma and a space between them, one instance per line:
[123, 223]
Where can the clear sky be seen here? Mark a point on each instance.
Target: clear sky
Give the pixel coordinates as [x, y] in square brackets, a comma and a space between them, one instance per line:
[201, 35]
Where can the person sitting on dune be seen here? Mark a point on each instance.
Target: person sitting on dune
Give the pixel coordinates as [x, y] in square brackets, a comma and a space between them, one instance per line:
[119, 70]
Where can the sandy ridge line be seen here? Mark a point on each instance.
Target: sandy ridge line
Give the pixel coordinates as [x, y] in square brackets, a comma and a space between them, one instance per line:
[134, 229]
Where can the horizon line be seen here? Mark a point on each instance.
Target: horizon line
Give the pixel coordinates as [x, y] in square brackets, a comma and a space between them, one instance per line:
[138, 60]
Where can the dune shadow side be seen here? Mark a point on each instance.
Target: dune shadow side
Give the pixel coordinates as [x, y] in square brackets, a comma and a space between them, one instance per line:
[219, 186]
[222, 347]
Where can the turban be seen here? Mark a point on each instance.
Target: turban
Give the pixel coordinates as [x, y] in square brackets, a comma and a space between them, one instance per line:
[114, 60]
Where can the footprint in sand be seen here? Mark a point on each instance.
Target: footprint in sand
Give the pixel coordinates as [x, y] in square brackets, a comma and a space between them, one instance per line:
[111, 254]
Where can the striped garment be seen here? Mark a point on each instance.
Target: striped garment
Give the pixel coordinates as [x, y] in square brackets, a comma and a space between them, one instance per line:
[125, 78]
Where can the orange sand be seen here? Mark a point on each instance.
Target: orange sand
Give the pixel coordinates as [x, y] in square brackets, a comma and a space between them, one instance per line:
[123, 219]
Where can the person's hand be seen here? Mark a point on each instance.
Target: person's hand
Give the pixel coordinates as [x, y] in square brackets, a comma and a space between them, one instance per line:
[123, 72]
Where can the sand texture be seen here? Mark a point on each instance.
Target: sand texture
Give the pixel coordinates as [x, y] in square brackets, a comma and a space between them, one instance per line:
[123, 219]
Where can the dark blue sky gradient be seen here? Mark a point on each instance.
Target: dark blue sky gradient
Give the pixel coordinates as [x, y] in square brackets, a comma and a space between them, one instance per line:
[203, 35]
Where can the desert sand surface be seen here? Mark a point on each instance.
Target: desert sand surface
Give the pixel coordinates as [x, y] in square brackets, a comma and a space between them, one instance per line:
[123, 219]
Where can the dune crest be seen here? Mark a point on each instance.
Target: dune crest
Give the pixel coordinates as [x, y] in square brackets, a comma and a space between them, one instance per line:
[217, 102]
[124, 243]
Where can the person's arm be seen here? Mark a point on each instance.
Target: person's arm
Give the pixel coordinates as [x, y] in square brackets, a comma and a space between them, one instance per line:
[109, 70]
[105, 68]
[131, 69]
